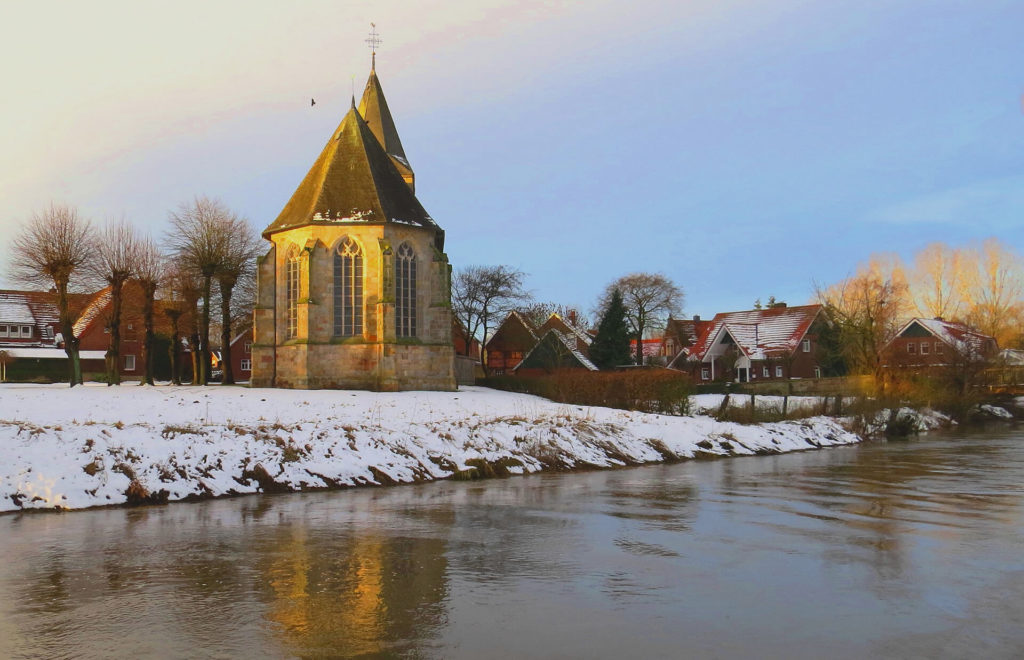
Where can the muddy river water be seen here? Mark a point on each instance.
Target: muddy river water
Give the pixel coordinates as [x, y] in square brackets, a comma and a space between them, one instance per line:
[899, 549]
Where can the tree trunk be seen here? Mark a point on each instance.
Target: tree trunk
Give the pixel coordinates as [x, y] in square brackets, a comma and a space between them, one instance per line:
[113, 356]
[226, 288]
[149, 291]
[67, 329]
[204, 333]
[175, 346]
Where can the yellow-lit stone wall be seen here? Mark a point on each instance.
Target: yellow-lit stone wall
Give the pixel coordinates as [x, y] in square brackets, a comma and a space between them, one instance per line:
[376, 359]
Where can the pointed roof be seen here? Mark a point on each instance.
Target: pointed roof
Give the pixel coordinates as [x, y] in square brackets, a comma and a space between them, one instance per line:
[353, 180]
[759, 333]
[374, 109]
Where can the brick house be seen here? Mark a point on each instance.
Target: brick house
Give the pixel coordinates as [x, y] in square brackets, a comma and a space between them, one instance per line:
[755, 345]
[926, 343]
[509, 344]
[517, 336]
[555, 350]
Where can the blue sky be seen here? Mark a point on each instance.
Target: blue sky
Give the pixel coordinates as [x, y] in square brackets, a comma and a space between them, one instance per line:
[744, 149]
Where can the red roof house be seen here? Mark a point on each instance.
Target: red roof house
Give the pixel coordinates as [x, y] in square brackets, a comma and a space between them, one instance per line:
[758, 344]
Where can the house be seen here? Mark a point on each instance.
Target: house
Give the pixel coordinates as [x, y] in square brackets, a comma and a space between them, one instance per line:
[354, 291]
[241, 355]
[652, 348]
[30, 339]
[924, 343]
[556, 350]
[680, 334]
[517, 336]
[754, 345]
[509, 344]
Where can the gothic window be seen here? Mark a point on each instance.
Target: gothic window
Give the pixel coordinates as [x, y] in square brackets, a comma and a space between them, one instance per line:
[348, 289]
[292, 289]
[405, 291]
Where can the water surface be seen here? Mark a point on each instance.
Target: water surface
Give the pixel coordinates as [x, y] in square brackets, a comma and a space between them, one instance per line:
[903, 549]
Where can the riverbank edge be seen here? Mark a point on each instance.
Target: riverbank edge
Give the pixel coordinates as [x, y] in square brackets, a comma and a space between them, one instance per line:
[95, 465]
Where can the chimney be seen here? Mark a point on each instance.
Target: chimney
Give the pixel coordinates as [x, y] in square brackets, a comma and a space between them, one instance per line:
[572, 317]
[696, 317]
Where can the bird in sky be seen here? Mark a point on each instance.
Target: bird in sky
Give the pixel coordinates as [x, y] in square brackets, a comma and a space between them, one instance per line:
[312, 102]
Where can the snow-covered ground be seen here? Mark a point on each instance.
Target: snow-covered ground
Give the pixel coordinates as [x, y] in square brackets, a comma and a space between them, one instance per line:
[93, 445]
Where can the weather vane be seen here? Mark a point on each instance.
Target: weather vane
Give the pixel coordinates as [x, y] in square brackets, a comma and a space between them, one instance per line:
[373, 41]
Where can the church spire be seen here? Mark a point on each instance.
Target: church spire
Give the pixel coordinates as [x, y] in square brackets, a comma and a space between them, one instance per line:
[374, 109]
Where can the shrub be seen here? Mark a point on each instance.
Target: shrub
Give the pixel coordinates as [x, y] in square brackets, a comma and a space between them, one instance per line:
[646, 390]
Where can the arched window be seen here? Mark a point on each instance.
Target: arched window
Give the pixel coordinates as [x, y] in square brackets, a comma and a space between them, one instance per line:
[405, 291]
[348, 289]
[292, 292]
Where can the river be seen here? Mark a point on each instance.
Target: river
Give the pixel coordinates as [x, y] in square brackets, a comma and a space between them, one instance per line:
[899, 549]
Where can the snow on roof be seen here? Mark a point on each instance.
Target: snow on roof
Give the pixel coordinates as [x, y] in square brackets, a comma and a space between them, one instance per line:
[91, 311]
[569, 344]
[961, 337]
[15, 310]
[51, 353]
[1012, 357]
[759, 333]
[522, 320]
[566, 327]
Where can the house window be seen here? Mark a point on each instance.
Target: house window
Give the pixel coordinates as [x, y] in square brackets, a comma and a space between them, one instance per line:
[817, 372]
[805, 346]
[912, 348]
[248, 347]
[292, 292]
[405, 291]
[765, 372]
[3, 330]
[778, 371]
[348, 289]
[924, 348]
[705, 374]
[129, 363]
[246, 365]
[938, 348]
[26, 331]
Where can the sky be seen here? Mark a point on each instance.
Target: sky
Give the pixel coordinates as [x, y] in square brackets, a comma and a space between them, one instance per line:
[744, 149]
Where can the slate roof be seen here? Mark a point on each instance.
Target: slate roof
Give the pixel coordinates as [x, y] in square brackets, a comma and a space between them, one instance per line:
[568, 352]
[759, 333]
[373, 108]
[353, 181]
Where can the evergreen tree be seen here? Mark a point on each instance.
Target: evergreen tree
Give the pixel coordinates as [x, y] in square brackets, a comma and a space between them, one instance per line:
[610, 347]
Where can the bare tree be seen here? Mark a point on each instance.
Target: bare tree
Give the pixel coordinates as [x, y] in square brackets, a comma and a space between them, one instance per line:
[53, 249]
[649, 298]
[937, 282]
[867, 309]
[538, 313]
[199, 240]
[995, 287]
[483, 294]
[237, 263]
[150, 272]
[180, 299]
[114, 261]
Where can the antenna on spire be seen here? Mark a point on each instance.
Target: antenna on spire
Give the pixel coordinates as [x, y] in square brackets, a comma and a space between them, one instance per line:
[373, 41]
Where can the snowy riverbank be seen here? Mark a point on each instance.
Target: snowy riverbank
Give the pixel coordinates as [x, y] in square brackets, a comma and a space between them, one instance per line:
[95, 446]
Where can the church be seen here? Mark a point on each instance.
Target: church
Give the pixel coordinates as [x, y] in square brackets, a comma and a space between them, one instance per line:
[355, 291]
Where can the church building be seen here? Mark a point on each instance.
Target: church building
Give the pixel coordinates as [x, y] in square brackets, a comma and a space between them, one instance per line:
[355, 292]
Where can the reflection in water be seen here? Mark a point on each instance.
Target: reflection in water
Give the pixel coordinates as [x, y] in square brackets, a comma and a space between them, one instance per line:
[900, 549]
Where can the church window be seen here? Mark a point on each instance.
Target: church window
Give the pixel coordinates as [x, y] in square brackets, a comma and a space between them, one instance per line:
[292, 288]
[348, 289]
[405, 291]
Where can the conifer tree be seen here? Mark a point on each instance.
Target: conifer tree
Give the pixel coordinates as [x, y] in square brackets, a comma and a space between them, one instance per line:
[610, 347]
